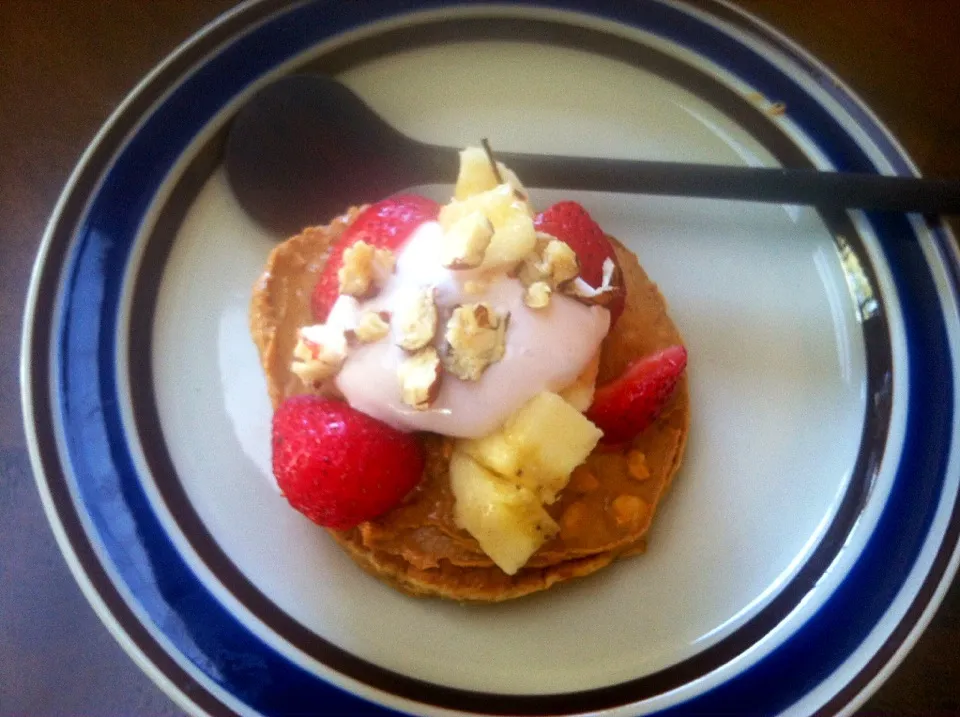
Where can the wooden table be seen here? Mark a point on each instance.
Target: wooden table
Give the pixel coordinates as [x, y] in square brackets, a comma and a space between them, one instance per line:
[64, 65]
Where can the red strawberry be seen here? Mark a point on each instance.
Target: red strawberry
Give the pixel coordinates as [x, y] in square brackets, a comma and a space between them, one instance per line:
[386, 225]
[625, 407]
[570, 222]
[340, 467]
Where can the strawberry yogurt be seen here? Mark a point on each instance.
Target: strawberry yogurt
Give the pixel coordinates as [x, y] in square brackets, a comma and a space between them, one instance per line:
[545, 349]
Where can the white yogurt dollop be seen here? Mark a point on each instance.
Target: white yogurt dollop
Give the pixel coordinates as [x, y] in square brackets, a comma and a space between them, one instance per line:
[546, 349]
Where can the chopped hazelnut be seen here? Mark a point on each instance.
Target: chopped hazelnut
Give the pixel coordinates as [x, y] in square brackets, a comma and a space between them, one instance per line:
[372, 326]
[364, 269]
[319, 353]
[611, 287]
[476, 338]
[537, 295]
[560, 262]
[420, 376]
[553, 261]
[586, 294]
[466, 240]
[610, 274]
[529, 271]
[383, 265]
[415, 323]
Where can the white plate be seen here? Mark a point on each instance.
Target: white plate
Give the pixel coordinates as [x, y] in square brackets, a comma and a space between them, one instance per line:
[811, 531]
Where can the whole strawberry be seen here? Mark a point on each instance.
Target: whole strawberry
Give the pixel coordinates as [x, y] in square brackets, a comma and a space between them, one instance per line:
[626, 406]
[340, 467]
[570, 222]
[384, 225]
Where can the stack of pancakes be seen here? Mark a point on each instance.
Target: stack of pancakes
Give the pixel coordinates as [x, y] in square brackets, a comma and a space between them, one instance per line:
[605, 511]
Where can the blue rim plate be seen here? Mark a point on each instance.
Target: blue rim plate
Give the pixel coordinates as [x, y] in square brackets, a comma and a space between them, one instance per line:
[104, 384]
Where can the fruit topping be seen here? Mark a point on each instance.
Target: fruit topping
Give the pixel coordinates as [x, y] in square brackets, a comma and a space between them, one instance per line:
[538, 446]
[508, 522]
[554, 262]
[466, 241]
[340, 467]
[477, 174]
[570, 222]
[610, 290]
[513, 234]
[537, 295]
[476, 338]
[579, 394]
[364, 269]
[444, 292]
[384, 225]
[371, 326]
[319, 353]
[629, 404]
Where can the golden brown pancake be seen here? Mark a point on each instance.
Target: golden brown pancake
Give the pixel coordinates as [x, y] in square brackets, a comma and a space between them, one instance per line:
[605, 511]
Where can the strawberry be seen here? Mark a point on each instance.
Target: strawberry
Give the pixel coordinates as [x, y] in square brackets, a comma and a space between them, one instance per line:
[385, 225]
[626, 406]
[570, 222]
[340, 467]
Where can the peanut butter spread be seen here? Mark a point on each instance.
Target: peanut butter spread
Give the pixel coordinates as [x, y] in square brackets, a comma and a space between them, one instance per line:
[603, 513]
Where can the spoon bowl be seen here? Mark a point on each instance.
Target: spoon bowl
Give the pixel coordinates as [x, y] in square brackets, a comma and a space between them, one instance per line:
[306, 147]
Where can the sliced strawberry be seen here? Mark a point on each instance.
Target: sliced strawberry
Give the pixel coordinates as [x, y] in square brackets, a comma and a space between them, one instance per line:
[570, 222]
[626, 406]
[385, 225]
[338, 466]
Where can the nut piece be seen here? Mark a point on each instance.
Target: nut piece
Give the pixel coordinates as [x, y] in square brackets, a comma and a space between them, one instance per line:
[476, 338]
[560, 262]
[364, 269]
[611, 275]
[553, 261]
[384, 263]
[415, 323]
[531, 269]
[319, 353]
[420, 376]
[466, 241]
[537, 295]
[586, 294]
[611, 286]
[372, 326]
[637, 466]
[514, 235]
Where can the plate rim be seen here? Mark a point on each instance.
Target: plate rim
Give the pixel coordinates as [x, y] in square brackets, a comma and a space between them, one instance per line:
[27, 397]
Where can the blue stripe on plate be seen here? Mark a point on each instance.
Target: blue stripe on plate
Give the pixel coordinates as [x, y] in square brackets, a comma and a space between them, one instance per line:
[202, 629]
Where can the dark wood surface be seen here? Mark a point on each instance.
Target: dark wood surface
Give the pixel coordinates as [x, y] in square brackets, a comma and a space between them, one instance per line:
[65, 65]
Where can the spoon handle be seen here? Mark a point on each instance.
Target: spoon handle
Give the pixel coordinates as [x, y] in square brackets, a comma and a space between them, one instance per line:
[782, 186]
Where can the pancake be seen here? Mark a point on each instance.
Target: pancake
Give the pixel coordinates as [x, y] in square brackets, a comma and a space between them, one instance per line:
[605, 511]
